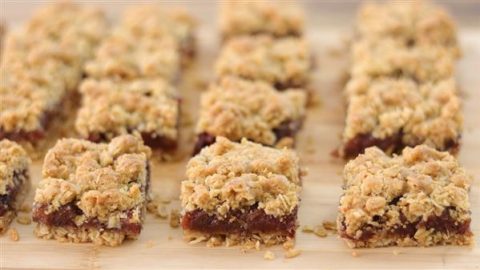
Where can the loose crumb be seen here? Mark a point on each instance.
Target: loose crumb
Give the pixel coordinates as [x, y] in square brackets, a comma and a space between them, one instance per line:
[354, 254]
[162, 212]
[269, 255]
[214, 241]
[289, 244]
[150, 243]
[292, 253]
[320, 231]
[25, 208]
[330, 226]
[197, 240]
[174, 218]
[24, 219]
[13, 234]
[307, 229]
[396, 252]
[170, 237]
[152, 207]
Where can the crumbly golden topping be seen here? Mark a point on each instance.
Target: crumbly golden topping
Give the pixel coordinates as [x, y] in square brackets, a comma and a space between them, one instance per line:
[278, 18]
[103, 180]
[424, 181]
[125, 56]
[78, 29]
[428, 113]
[112, 108]
[388, 57]
[154, 21]
[237, 108]
[280, 62]
[13, 159]
[43, 61]
[227, 176]
[413, 22]
[27, 96]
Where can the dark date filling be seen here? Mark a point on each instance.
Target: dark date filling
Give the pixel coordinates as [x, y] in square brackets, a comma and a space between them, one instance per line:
[392, 144]
[8, 199]
[286, 129]
[65, 216]
[31, 136]
[444, 223]
[246, 222]
[150, 139]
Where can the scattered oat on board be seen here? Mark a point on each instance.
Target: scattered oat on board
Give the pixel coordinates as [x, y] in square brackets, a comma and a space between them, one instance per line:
[269, 255]
[24, 219]
[13, 234]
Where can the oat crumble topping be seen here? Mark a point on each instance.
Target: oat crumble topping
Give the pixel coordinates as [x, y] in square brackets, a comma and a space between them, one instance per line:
[103, 180]
[13, 159]
[237, 108]
[278, 18]
[156, 22]
[388, 57]
[112, 108]
[283, 62]
[427, 113]
[412, 22]
[125, 56]
[227, 176]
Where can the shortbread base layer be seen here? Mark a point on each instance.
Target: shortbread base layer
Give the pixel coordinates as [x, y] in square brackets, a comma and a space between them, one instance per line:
[82, 235]
[248, 241]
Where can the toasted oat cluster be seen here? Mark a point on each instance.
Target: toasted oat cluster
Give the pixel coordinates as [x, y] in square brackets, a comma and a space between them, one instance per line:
[148, 107]
[241, 190]
[389, 57]
[155, 22]
[93, 192]
[419, 198]
[14, 180]
[276, 18]
[42, 64]
[237, 108]
[412, 22]
[400, 112]
[283, 63]
[126, 56]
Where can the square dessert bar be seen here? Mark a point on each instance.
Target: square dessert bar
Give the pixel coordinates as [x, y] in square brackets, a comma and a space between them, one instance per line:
[388, 57]
[93, 192]
[30, 99]
[395, 113]
[125, 56]
[276, 18]
[146, 107]
[283, 63]
[156, 22]
[42, 66]
[241, 192]
[411, 22]
[419, 198]
[235, 108]
[14, 181]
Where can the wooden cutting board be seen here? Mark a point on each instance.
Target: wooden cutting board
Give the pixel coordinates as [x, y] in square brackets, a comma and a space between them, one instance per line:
[161, 246]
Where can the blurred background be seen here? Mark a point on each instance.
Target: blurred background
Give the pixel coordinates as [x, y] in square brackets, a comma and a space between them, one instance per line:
[320, 13]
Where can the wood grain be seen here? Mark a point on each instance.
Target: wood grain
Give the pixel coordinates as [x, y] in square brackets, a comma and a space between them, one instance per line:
[160, 246]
